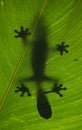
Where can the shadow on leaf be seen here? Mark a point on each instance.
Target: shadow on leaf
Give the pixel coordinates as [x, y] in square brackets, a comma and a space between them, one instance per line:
[38, 60]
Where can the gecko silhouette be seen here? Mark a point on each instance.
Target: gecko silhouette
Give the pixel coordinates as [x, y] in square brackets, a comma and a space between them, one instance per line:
[38, 60]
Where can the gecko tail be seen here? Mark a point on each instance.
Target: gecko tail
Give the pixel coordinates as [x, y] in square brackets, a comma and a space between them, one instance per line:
[43, 105]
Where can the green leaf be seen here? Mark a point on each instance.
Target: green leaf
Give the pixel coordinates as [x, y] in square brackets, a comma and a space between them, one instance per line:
[36, 63]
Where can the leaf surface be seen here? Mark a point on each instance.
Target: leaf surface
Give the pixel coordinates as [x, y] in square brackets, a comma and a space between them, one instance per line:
[51, 22]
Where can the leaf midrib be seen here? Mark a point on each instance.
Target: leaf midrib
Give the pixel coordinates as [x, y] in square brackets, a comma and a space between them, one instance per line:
[3, 100]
